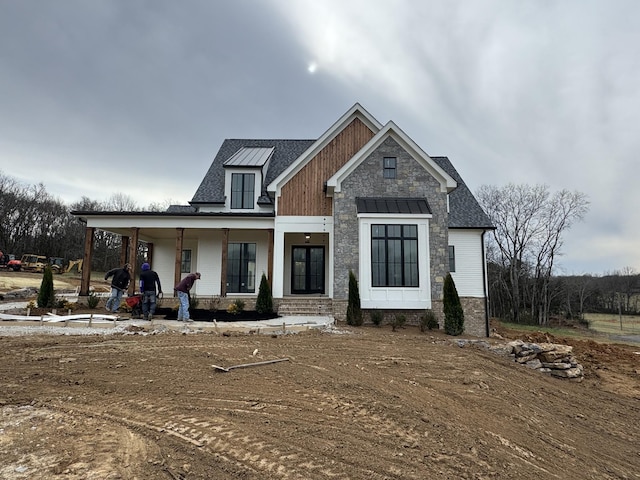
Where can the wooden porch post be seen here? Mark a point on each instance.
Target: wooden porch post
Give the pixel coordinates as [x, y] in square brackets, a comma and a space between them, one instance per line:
[270, 257]
[124, 250]
[133, 259]
[86, 261]
[223, 262]
[178, 262]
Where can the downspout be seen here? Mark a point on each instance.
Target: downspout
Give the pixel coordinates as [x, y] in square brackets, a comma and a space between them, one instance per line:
[484, 285]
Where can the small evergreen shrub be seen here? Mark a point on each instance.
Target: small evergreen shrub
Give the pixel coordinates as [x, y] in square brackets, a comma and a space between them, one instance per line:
[46, 297]
[377, 317]
[354, 312]
[398, 321]
[264, 302]
[453, 313]
[92, 300]
[428, 321]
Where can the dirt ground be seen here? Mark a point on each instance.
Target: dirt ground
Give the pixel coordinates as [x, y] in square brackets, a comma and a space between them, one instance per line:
[355, 403]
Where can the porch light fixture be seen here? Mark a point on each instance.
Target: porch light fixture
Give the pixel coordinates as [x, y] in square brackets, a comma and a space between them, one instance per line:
[307, 237]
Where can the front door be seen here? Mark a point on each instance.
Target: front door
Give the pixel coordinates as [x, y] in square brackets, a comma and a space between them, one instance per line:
[307, 275]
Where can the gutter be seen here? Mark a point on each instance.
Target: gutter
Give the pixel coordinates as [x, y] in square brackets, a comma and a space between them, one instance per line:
[484, 285]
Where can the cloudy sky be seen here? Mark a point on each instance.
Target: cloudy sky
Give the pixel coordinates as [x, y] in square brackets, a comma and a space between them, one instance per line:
[136, 96]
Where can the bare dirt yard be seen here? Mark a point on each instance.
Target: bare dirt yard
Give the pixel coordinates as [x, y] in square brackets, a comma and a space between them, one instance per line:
[352, 403]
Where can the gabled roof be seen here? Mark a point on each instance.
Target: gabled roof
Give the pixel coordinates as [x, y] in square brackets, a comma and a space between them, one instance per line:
[464, 209]
[357, 111]
[211, 189]
[447, 182]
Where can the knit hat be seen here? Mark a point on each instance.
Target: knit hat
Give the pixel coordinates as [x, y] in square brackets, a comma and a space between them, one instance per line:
[146, 266]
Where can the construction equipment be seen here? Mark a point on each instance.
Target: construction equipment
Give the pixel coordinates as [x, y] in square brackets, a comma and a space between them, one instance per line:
[9, 262]
[33, 263]
[74, 266]
[57, 264]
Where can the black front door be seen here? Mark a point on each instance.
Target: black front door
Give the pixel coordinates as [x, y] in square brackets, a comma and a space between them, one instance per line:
[307, 270]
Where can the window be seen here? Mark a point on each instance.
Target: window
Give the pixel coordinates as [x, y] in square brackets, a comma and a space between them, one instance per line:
[242, 190]
[452, 258]
[389, 166]
[185, 263]
[394, 255]
[241, 268]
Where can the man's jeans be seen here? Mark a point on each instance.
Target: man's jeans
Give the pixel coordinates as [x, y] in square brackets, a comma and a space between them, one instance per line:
[183, 310]
[113, 304]
[148, 304]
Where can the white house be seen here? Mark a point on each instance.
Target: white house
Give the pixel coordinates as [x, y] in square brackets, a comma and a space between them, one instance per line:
[362, 197]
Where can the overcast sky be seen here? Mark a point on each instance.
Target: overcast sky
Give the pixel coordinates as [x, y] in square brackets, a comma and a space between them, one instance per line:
[132, 96]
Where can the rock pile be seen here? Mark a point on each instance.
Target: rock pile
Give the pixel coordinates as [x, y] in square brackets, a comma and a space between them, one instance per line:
[19, 294]
[550, 358]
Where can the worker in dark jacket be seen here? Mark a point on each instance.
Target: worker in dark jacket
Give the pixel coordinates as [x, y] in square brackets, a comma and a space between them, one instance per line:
[148, 281]
[119, 283]
[183, 289]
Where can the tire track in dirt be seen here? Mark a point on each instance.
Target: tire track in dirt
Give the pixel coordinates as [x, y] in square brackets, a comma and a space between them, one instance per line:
[216, 435]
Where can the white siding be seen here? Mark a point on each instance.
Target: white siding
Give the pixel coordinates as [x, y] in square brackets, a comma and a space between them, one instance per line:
[468, 276]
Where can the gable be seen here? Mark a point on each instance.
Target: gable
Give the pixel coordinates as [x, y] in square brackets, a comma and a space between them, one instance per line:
[304, 193]
[390, 130]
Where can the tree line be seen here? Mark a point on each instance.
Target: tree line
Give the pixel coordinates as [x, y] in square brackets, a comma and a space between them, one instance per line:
[34, 221]
[522, 253]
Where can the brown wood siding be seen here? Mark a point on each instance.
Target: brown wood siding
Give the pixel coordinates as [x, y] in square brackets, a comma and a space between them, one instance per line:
[303, 195]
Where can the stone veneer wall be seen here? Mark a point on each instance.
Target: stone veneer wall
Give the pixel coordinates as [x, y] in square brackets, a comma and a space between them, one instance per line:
[474, 314]
[367, 181]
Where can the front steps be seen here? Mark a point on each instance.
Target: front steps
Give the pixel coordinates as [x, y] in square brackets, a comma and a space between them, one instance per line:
[305, 306]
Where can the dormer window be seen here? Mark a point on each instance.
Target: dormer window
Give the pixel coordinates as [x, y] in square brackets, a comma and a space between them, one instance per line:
[242, 190]
[389, 167]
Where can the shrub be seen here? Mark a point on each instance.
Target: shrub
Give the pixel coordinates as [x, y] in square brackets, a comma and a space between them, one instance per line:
[264, 302]
[453, 313]
[214, 304]
[193, 302]
[398, 321]
[377, 317]
[92, 300]
[236, 307]
[428, 321]
[354, 312]
[46, 297]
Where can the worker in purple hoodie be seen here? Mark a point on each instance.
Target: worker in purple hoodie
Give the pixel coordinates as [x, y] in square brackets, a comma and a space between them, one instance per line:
[183, 289]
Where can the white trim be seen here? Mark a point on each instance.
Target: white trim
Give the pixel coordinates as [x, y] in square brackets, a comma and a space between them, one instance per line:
[447, 183]
[257, 188]
[296, 224]
[401, 298]
[354, 112]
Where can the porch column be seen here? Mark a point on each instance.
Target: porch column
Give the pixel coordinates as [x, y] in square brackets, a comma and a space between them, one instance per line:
[277, 284]
[133, 259]
[178, 261]
[223, 262]
[270, 256]
[86, 261]
[124, 250]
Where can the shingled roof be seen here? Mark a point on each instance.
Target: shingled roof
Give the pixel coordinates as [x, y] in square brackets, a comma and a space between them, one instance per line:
[211, 189]
[464, 209]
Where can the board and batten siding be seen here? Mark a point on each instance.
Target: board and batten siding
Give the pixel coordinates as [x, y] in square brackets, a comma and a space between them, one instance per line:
[304, 194]
[468, 276]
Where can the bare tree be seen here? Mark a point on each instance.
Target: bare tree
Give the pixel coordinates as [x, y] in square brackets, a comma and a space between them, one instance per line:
[529, 224]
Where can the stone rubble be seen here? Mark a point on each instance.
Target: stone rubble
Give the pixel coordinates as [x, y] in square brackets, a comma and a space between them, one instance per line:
[550, 358]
